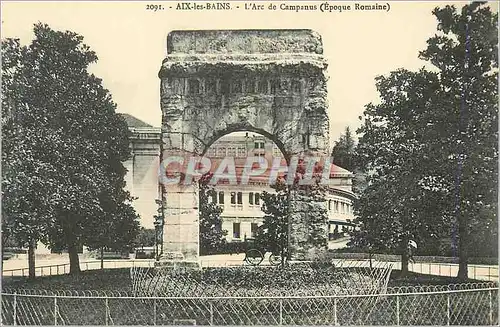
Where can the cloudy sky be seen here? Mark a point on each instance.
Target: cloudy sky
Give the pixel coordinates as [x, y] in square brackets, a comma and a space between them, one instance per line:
[131, 43]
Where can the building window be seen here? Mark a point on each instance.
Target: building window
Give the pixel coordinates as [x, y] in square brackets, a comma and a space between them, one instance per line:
[259, 144]
[213, 196]
[336, 205]
[236, 230]
[194, 86]
[253, 229]
[242, 152]
[231, 152]
[254, 198]
[329, 205]
[276, 152]
[221, 152]
[233, 197]
[221, 197]
[211, 152]
[240, 198]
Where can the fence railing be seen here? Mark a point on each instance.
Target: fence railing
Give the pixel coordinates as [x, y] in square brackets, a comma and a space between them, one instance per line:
[458, 307]
[63, 268]
[419, 258]
[478, 272]
[130, 293]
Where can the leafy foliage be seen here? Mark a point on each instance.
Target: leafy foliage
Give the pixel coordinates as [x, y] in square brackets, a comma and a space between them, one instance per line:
[212, 236]
[300, 202]
[145, 237]
[272, 235]
[63, 148]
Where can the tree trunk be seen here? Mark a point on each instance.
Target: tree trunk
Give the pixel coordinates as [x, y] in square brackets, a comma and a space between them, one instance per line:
[31, 260]
[74, 261]
[463, 255]
[404, 263]
[102, 257]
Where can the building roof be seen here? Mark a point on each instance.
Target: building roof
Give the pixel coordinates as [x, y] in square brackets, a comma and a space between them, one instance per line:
[134, 122]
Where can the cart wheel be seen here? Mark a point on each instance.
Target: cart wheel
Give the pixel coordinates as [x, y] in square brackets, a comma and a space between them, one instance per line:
[275, 260]
[254, 257]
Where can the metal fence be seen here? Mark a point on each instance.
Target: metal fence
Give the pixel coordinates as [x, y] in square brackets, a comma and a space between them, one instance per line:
[63, 268]
[456, 307]
[478, 272]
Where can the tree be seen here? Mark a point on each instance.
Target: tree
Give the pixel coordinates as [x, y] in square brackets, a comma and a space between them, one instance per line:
[431, 163]
[344, 155]
[343, 151]
[272, 235]
[146, 237]
[295, 199]
[391, 211]
[212, 236]
[63, 146]
[23, 211]
[466, 54]
[116, 230]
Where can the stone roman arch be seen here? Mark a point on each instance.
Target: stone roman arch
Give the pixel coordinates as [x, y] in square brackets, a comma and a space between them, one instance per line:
[214, 82]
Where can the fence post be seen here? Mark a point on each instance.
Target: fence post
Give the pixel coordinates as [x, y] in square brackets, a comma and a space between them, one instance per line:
[41, 271]
[397, 310]
[15, 308]
[439, 270]
[211, 314]
[448, 305]
[281, 312]
[335, 321]
[154, 312]
[50, 270]
[491, 308]
[57, 270]
[107, 309]
[55, 311]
